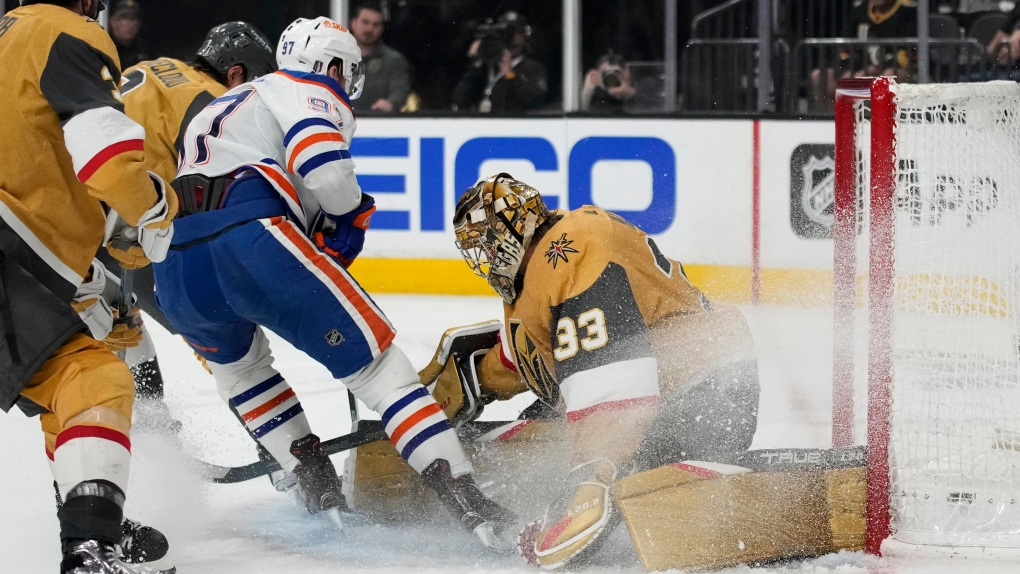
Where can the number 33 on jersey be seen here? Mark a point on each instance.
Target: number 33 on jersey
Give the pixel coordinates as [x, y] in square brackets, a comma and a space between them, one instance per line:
[595, 287]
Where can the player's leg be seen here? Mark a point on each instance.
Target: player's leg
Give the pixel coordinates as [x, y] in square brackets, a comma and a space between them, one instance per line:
[237, 353]
[308, 298]
[153, 412]
[702, 420]
[270, 410]
[87, 394]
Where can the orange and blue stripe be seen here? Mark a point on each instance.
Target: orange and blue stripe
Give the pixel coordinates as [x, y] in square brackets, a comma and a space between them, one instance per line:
[414, 419]
[309, 133]
[266, 406]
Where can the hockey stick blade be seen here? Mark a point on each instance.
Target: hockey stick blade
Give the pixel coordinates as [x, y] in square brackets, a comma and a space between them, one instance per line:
[233, 474]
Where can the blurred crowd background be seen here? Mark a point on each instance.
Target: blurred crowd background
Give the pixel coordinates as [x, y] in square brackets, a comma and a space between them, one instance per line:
[505, 57]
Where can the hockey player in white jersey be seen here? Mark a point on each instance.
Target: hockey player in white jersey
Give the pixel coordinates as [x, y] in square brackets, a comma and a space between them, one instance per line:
[271, 217]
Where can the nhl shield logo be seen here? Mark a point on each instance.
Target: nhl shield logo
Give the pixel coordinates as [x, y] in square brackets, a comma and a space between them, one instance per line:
[818, 189]
[813, 190]
[334, 338]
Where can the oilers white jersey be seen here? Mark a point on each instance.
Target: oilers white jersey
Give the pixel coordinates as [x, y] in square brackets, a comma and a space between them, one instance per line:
[295, 128]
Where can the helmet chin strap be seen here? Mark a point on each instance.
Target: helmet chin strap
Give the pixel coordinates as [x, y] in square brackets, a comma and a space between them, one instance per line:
[529, 230]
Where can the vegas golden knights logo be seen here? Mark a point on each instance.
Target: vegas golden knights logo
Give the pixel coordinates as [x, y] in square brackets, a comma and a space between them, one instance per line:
[531, 365]
[559, 250]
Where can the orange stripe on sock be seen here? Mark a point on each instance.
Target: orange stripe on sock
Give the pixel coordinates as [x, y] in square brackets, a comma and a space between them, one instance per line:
[422, 414]
[268, 406]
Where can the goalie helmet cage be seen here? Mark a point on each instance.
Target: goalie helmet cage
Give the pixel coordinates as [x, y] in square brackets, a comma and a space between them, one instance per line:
[926, 277]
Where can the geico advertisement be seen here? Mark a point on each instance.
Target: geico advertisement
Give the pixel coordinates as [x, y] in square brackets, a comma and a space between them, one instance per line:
[687, 182]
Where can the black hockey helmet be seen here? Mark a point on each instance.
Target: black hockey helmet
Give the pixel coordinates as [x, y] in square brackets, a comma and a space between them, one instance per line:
[236, 43]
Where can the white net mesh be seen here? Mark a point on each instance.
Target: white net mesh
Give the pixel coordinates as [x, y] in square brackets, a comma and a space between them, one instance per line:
[954, 447]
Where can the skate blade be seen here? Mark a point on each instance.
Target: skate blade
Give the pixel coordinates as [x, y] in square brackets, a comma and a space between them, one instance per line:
[335, 518]
[491, 538]
[162, 566]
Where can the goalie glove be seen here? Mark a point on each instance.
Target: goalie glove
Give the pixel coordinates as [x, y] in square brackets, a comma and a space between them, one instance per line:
[149, 241]
[342, 237]
[577, 523]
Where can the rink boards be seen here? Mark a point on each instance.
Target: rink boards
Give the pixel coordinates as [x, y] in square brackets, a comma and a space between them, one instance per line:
[691, 183]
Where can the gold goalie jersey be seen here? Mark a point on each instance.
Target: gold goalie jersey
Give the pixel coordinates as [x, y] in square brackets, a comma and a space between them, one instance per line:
[605, 320]
[67, 146]
[164, 95]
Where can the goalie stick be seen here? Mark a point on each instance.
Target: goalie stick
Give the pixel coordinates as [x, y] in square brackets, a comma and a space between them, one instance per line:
[770, 459]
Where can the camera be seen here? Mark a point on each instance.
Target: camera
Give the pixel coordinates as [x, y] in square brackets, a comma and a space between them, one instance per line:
[611, 76]
[496, 36]
[493, 38]
[614, 64]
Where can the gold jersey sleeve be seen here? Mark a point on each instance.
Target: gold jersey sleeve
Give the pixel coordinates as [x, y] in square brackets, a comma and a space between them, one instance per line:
[67, 147]
[163, 96]
[595, 291]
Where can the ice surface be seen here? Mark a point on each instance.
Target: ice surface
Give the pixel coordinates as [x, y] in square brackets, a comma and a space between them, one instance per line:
[250, 528]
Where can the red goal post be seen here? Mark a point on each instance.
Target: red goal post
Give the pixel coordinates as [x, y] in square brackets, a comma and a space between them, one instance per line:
[926, 370]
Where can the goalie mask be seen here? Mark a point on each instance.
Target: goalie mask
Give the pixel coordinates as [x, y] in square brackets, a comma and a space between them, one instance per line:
[495, 221]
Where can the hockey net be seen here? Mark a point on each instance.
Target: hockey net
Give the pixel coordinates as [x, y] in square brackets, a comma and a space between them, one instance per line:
[927, 297]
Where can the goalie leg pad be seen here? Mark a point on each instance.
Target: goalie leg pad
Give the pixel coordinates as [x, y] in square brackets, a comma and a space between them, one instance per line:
[380, 484]
[698, 515]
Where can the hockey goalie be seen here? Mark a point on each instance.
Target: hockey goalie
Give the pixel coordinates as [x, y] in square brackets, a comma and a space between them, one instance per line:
[651, 394]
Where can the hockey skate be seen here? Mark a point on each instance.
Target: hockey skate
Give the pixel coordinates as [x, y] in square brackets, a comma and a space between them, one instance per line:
[145, 549]
[318, 481]
[92, 557]
[466, 503]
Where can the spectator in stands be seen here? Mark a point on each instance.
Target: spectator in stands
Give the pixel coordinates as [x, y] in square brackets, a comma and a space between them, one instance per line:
[875, 19]
[125, 24]
[607, 87]
[886, 19]
[387, 73]
[502, 78]
[1009, 33]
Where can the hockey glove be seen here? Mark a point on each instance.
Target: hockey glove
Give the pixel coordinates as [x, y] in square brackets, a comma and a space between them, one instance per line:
[343, 236]
[577, 523]
[136, 247]
[126, 332]
[88, 301]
